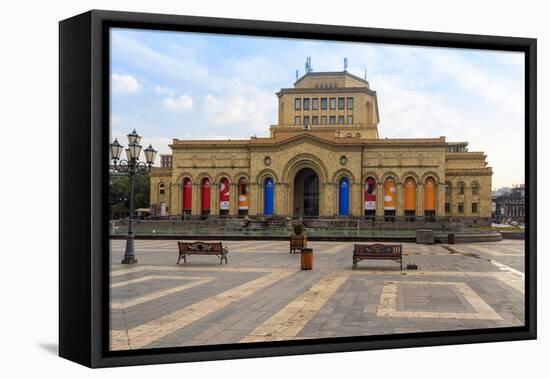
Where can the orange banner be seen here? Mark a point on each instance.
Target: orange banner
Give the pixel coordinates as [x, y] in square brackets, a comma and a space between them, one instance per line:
[390, 194]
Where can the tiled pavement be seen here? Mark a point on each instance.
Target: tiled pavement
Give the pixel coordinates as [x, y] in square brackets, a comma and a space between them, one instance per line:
[262, 295]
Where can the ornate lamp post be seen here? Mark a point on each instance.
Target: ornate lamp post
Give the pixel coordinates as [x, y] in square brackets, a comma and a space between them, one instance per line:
[132, 166]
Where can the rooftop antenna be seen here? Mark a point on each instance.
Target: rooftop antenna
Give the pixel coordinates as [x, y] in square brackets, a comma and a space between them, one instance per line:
[308, 65]
[296, 75]
[345, 64]
[365, 74]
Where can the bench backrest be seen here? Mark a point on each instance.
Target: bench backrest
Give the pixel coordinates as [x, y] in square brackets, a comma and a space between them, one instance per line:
[200, 247]
[376, 249]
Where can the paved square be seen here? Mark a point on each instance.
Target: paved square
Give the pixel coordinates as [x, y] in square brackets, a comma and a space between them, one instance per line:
[262, 295]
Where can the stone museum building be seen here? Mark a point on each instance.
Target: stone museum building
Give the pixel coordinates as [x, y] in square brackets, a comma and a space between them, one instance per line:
[324, 159]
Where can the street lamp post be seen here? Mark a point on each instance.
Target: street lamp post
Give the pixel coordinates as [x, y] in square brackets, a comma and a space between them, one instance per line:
[132, 166]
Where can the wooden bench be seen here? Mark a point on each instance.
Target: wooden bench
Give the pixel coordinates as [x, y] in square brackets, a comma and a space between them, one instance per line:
[377, 252]
[202, 248]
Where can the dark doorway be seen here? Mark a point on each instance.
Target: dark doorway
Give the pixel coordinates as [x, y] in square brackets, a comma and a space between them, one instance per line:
[306, 193]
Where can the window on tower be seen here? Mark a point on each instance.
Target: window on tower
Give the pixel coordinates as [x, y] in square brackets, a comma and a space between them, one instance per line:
[332, 103]
[323, 104]
[298, 104]
[315, 104]
[341, 103]
[306, 103]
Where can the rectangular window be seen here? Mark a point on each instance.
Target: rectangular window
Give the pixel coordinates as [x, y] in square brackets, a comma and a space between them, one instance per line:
[461, 208]
[332, 120]
[341, 120]
[332, 103]
[370, 214]
[474, 207]
[323, 120]
[323, 104]
[306, 103]
[341, 103]
[350, 120]
[447, 208]
[314, 120]
[315, 104]
[389, 215]
[297, 120]
[298, 104]
[350, 103]
[410, 215]
[306, 120]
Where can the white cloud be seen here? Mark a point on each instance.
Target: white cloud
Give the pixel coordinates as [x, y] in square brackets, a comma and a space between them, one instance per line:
[164, 91]
[494, 90]
[178, 104]
[252, 113]
[124, 83]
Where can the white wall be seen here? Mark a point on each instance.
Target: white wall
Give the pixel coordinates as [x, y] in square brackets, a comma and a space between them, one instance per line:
[28, 120]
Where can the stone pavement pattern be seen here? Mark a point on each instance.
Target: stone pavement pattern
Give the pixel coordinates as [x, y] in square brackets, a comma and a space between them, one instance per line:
[262, 295]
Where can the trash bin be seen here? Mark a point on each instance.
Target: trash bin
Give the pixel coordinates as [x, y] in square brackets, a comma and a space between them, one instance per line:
[450, 238]
[306, 258]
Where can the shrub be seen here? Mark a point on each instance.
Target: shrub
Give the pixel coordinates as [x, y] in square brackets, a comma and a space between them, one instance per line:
[298, 229]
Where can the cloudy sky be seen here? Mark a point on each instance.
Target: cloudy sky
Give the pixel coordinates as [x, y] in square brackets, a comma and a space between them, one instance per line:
[205, 86]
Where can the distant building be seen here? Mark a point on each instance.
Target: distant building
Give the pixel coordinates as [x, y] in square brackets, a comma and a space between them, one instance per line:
[324, 159]
[509, 206]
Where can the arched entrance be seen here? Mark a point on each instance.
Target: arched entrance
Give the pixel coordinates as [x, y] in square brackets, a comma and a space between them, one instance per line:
[306, 193]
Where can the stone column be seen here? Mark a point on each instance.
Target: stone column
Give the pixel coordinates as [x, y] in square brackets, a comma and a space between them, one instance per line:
[356, 195]
[279, 198]
[196, 199]
[214, 199]
[233, 199]
[440, 205]
[420, 199]
[254, 199]
[380, 199]
[400, 211]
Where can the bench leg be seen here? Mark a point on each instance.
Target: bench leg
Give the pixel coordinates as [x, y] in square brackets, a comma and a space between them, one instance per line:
[179, 258]
[354, 265]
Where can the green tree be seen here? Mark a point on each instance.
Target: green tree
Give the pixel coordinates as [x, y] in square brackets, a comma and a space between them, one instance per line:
[119, 194]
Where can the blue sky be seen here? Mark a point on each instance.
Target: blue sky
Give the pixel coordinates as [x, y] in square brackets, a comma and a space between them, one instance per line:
[205, 86]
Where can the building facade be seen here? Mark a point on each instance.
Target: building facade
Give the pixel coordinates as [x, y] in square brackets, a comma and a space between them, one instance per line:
[324, 159]
[510, 206]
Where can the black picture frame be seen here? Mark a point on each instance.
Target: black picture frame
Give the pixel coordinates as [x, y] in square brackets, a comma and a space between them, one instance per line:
[83, 228]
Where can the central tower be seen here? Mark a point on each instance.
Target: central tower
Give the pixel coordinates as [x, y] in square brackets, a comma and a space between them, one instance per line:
[336, 102]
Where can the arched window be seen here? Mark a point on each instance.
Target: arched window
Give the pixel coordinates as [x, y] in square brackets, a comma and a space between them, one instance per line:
[390, 199]
[429, 199]
[370, 197]
[162, 188]
[224, 196]
[461, 188]
[343, 196]
[187, 192]
[475, 189]
[409, 188]
[205, 197]
[243, 196]
[269, 196]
